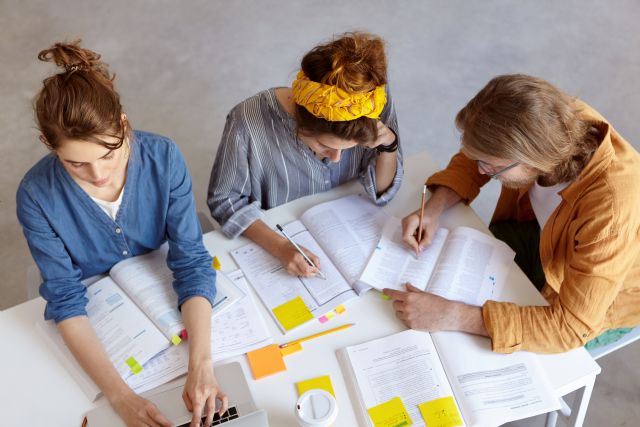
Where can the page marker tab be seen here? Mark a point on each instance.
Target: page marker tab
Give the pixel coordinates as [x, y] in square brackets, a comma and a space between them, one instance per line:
[323, 319]
[330, 315]
[441, 412]
[340, 309]
[183, 334]
[133, 364]
[383, 296]
[323, 383]
[175, 340]
[292, 313]
[216, 263]
[266, 361]
[390, 414]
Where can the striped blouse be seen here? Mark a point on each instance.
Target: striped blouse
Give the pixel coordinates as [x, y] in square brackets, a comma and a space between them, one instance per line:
[261, 164]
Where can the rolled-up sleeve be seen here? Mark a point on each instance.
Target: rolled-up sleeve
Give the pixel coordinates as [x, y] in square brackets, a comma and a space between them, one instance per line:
[367, 175]
[61, 286]
[187, 258]
[229, 195]
[594, 274]
[461, 175]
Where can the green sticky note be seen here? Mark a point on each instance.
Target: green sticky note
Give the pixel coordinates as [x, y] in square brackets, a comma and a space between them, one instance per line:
[390, 414]
[133, 364]
[323, 383]
[441, 412]
[292, 313]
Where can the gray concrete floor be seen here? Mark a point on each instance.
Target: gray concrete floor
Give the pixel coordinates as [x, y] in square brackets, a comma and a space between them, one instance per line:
[182, 65]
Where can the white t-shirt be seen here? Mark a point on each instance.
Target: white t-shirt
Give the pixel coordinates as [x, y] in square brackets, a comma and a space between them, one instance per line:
[544, 200]
[110, 208]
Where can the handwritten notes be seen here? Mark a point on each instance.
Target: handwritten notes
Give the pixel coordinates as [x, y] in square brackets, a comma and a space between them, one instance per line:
[441, 413]
[390, 414]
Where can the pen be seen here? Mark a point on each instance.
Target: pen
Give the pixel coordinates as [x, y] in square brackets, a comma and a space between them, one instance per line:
[319, 334]
[306, 258]
[424, 193]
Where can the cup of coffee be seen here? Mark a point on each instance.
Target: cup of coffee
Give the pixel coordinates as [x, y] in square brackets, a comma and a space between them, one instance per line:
[316, 408]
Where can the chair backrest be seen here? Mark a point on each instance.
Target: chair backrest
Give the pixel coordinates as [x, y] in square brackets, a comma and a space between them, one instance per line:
[627, 339]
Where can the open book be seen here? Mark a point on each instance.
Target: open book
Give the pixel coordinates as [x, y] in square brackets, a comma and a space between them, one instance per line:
[133, 311]
[342, 233]
[463, 264]
[438, 384]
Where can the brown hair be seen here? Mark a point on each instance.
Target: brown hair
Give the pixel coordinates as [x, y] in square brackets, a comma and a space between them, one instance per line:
[80, 102]
[526, 119]
[354, 62]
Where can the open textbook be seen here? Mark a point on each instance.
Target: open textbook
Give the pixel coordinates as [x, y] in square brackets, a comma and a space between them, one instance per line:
[463, 264]
[134, 314]
[440, 385]
[342, 233]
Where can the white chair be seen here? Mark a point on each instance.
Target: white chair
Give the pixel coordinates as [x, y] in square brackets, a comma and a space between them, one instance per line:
[597, 353]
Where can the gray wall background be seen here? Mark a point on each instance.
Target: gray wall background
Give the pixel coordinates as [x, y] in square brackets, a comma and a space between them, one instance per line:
[182, 65]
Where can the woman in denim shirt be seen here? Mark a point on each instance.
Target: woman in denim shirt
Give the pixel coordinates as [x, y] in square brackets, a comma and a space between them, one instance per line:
[106, 193]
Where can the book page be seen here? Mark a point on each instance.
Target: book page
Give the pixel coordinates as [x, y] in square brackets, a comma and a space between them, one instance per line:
[149, 282]
[493, 388]
[472, 267]
[404, 365]
[393, 263]
[347, 229]
[275, 286]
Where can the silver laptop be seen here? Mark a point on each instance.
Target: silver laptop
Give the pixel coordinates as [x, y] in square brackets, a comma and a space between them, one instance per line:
[168, 398]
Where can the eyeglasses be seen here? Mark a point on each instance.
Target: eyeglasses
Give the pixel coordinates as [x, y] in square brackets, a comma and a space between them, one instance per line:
[494, 175]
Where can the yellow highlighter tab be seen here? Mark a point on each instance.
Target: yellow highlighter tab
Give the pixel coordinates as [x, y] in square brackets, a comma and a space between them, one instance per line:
[216, 263]
[175, 340]
[323, 383]
[266, 361]
[441, 412]
[133, 364]
[292, 313]
[390, 414]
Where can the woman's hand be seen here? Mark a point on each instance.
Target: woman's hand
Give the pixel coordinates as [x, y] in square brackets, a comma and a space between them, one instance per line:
[385, 136]
[201, 391]
[294, 263]
[137, 411]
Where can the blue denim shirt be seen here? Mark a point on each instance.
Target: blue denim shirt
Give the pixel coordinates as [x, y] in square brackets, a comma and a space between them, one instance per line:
[71, 238]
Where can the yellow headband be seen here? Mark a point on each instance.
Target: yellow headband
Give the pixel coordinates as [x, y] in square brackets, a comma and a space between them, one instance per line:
[334, 104]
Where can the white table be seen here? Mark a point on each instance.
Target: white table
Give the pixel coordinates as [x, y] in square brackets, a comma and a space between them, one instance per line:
[36, 388]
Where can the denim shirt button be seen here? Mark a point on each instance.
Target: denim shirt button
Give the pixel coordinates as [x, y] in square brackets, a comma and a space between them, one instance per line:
[118, 230]
[125, 253]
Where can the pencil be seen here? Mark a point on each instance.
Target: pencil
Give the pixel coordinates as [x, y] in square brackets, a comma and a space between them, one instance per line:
[319, 334]
[424, 194]
[299, 249]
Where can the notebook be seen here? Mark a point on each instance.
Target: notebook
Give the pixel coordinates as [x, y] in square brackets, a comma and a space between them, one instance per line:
[168, 398]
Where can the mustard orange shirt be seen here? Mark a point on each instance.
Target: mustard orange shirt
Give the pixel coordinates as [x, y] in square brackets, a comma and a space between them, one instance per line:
[589, 248]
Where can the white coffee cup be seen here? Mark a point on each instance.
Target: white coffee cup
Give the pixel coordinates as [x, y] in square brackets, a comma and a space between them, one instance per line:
[316, 408]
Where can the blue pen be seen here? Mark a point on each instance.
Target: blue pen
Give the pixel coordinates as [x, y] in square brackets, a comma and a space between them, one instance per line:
[306, 258]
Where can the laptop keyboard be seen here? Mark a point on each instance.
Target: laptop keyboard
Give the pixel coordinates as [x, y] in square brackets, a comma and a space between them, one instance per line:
[231, 414]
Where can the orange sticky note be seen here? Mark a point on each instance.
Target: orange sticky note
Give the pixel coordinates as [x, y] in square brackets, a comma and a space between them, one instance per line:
[292, 313]
[266, 361]
[390, 414]
[323, 383]
[441, 412]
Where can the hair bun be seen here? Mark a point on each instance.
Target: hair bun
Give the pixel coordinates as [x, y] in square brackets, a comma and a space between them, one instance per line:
[72, 57]
[358, 62]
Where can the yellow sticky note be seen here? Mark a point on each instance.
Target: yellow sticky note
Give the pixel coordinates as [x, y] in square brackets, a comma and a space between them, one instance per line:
[292, 313]
[175, 340]
[390, 414]
[133, 364]
[340, 309]
[216, 263]
[383, 296]
[323, 383]
[266, 361]
[441, 413]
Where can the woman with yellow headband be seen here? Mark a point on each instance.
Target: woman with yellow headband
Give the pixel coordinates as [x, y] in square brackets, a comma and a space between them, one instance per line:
[336, 123]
